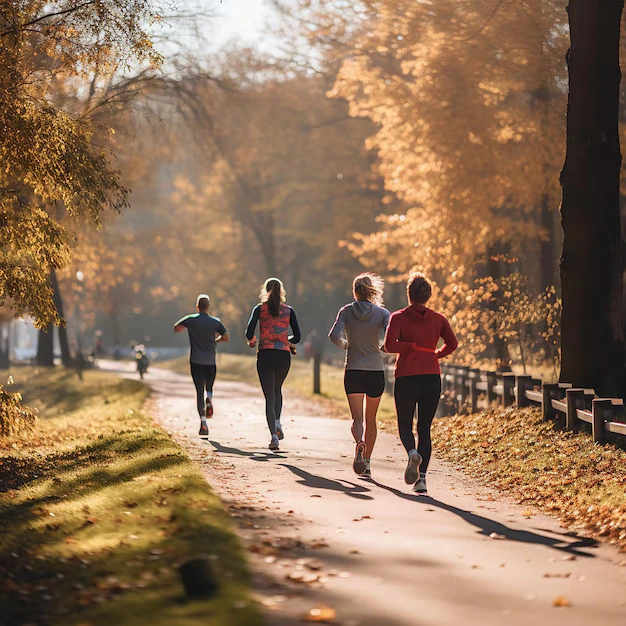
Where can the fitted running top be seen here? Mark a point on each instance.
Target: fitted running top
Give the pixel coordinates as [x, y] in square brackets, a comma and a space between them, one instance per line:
[413, 333]
[202, 329]
[273, 331]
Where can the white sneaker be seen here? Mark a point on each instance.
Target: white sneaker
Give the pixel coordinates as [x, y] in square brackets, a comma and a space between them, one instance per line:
[420, 486]
[368, 469]
[274, 443]
[412, 471]
[279, 430]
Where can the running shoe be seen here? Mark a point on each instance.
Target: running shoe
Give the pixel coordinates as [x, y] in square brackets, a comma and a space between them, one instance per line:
[209, 408]
[368, 469]
[204, 429]
[420, 486]
[412, 472]
[274, 443]
[279, 430]
[359, 460]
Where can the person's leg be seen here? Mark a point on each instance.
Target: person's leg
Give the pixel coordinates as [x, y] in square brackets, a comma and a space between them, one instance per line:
[283, 363]
[355, 402]
[197, 375]
[209, 380]
[429, 391]
[371, 431]
[405, 397]
[265, 368]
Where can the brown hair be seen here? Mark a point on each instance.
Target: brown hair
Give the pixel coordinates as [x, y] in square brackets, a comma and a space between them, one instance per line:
[418, 289]
[274, 294]
[203, 302]
[368, 287]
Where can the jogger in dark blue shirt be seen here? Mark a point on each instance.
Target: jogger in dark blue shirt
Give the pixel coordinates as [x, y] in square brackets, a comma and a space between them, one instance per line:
[205, 332]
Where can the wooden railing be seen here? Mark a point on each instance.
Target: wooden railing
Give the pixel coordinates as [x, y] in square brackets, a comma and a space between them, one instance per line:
[466, 387]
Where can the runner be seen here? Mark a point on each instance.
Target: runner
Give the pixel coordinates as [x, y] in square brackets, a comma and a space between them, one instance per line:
[204, 332]
[359, 329]
[413, 334]
[275, 349]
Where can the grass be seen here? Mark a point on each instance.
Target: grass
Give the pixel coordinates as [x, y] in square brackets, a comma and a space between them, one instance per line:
[99, 507]
[332, 400]
[542, 465]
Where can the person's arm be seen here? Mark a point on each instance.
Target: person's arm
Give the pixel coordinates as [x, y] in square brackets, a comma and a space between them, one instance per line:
[338, 331]
[383, 329]
[252, 322]
[392, 338]
[181, 324]
[450, 341]
[222, 335]
[293, 322]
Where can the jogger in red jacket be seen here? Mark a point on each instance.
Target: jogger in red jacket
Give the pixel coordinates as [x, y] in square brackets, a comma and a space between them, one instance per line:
[413, 333]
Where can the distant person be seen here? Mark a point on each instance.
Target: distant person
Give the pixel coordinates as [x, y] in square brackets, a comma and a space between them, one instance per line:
[413, 334]
[275, 347]
[205, 332]
[359, 329]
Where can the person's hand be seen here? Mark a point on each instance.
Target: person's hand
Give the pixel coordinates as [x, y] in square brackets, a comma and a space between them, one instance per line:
[292, 348]
[252, 342]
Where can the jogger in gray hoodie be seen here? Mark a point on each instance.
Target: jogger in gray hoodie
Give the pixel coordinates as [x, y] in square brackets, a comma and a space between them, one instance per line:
[359, 329]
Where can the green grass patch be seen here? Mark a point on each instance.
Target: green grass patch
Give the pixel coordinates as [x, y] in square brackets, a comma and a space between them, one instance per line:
[242, 368]
[543, 466]
[99, 507]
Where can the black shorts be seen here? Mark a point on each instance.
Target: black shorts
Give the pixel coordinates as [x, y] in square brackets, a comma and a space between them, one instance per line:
[371, 383]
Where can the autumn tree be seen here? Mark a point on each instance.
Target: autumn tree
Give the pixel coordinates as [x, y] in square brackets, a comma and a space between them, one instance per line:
[592, 265]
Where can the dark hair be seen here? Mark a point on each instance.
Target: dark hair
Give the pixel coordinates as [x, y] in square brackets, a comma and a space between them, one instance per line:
[203, 304]
[273, 293]
[418, 288]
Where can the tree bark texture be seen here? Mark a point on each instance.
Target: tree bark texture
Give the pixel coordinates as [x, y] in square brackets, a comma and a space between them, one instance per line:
[592, 326]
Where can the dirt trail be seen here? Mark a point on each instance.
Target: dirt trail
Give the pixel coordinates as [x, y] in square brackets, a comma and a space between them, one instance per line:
[369, 549]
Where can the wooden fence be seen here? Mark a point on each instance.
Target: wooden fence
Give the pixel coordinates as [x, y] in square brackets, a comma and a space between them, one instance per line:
[466, 387]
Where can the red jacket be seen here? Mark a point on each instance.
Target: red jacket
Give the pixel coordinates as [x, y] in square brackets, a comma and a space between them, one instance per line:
[413, 333]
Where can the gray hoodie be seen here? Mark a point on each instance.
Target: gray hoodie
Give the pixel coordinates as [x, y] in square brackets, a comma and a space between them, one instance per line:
[359, 329]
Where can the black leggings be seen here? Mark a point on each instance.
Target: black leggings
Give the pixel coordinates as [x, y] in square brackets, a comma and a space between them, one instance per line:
[203, 378]
[273, 367]
[424, 391]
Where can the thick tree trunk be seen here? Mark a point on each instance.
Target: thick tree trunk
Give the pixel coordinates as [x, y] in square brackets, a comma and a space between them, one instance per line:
[592, 327]
[45, 347]
[66, 355]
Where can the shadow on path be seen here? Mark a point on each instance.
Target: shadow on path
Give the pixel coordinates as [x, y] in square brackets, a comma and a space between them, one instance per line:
[319, 482]
[254, 455]
[488, 526]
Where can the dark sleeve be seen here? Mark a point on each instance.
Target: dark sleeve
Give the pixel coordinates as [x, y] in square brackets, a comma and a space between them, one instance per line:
[253, 321]
[293, 321]
[221, 329]
[450, 340]
[183, 321]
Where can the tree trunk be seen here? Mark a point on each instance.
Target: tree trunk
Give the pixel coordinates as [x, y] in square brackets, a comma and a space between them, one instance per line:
[592, 326]
[66, 355]
[45, 347]
[547, 245]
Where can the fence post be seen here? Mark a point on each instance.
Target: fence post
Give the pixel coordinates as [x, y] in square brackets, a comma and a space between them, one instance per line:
[474, 376]
[522, 384]
[574, 399]
[601, 409]
[508, 384]
[317, 370]
[492, 379]
[549, 391]
[463, 373]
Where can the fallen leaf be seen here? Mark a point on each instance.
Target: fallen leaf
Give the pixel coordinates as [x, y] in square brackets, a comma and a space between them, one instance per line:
[496, 536]
[561, 601]
[320, 614]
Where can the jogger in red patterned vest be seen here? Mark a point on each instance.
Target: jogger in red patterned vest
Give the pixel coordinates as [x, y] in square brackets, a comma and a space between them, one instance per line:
[275, 346]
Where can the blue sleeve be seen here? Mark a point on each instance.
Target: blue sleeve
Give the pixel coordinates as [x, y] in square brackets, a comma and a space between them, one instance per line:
[338, 331]
[221, 329]
[253, 321]
[293, 321]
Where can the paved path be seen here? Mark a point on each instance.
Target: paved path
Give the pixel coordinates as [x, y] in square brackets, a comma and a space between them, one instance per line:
[319, 536]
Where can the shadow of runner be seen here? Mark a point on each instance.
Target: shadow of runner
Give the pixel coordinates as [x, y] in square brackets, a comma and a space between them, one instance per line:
[488, 526]
[319, 482]
[255, 456]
